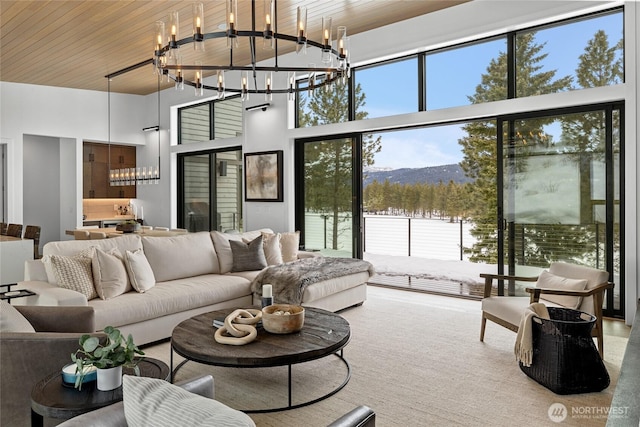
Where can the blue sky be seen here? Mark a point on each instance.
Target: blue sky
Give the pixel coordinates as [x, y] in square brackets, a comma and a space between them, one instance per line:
[452, 76]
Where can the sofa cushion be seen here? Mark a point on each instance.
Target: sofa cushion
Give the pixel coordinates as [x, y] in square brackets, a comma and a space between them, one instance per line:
[130, 241]
[248, 256]
[73, 272]
[223, 248]
[11, 320]
[551, 281]
[155, 402]
[181, 256]
[140, 272]
[165, 298]
[109, 274]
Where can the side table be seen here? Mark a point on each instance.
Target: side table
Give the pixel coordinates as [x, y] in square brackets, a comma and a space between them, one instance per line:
[51, 398]
[9, 294]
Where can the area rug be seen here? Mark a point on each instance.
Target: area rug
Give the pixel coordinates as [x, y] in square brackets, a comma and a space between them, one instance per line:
[416, 361]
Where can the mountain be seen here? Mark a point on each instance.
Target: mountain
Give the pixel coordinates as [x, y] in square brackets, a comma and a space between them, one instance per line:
[431, 175]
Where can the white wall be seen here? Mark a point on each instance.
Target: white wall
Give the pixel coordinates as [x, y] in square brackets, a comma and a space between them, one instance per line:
[42, 185]
[60, 114]
[78, 115]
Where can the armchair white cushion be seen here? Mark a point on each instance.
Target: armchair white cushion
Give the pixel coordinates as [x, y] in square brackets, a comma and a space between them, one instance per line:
[564, 285]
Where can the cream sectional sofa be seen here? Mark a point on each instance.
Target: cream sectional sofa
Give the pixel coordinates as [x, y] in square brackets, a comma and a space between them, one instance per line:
[191, 275]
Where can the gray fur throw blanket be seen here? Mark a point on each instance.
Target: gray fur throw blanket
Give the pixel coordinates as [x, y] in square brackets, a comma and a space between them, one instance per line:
[289, 280]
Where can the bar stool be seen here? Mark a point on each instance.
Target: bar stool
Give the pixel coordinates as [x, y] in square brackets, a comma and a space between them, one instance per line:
[14, 230]
[33, 232]
[3, 228]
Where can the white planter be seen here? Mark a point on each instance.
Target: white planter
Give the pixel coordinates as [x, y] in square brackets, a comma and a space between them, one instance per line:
[109, 379]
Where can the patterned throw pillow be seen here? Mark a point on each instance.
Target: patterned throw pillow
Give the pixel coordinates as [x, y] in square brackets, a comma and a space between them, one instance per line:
[248, 256]
[74, 272]
[158, 403]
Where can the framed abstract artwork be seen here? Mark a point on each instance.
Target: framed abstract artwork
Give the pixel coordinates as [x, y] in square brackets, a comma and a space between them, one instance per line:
[263, 176]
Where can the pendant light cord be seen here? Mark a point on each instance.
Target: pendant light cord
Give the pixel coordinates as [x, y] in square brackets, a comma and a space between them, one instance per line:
[159, 77]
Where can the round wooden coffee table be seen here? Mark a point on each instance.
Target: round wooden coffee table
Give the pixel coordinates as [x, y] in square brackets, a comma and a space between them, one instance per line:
[324, 333]
[51, 398]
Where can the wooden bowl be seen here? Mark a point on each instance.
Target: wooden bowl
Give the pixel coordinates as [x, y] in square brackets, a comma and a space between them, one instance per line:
[282, 318]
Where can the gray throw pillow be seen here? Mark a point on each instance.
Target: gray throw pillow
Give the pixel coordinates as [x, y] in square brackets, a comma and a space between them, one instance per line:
[248, 256]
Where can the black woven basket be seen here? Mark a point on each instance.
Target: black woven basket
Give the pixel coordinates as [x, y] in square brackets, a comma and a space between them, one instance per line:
[565, 359]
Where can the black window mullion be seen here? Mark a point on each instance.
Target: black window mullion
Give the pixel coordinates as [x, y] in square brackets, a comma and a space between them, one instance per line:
[511, 65]
[422, 82]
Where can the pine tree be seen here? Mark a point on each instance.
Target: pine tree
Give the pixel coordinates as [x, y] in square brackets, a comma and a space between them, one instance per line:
[479, 146]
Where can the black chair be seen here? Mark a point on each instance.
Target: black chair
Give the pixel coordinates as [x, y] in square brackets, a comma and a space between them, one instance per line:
[33, 232]
[14, 230]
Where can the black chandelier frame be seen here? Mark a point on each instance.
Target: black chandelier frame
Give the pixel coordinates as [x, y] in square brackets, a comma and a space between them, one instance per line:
[331, 73]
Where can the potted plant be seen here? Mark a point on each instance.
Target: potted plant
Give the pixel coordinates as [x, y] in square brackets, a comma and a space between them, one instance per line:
[128, 226]
[108, 358]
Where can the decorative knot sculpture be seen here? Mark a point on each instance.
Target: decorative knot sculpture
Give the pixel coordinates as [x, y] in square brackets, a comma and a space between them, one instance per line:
[238, 327]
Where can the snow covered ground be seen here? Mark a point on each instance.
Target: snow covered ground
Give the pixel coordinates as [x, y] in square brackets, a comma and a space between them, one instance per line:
[456, 271]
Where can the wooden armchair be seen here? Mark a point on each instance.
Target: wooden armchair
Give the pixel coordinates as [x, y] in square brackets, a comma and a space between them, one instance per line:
[578, 287]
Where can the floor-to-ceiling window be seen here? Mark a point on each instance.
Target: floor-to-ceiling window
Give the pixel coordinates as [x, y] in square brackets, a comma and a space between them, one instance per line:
[563, 56]
[561, 192]
[327, 189]
[210, 190]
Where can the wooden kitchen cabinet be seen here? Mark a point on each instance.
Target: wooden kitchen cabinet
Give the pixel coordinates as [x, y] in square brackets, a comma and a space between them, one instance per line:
[123, 156]
[96, 166]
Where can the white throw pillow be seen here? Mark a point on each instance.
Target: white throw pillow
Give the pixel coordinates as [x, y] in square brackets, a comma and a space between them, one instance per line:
[551, 281]
[272, 250]
[73, 272]
[139, 269]
[109, 274]
[289, 244]
[154, 402]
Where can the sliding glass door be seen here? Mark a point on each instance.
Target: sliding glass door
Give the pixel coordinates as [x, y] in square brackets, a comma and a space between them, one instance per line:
[210, 190]
[561, 193]
[328, 189]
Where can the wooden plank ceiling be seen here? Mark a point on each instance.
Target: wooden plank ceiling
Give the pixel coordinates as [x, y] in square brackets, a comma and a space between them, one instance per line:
[72, 43]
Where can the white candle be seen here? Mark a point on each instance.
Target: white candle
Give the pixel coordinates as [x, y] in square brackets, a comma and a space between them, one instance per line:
[141, 212]
[266, 291]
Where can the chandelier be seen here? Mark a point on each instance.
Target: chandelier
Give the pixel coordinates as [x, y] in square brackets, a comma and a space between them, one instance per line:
[253, 79]
[138, 175]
